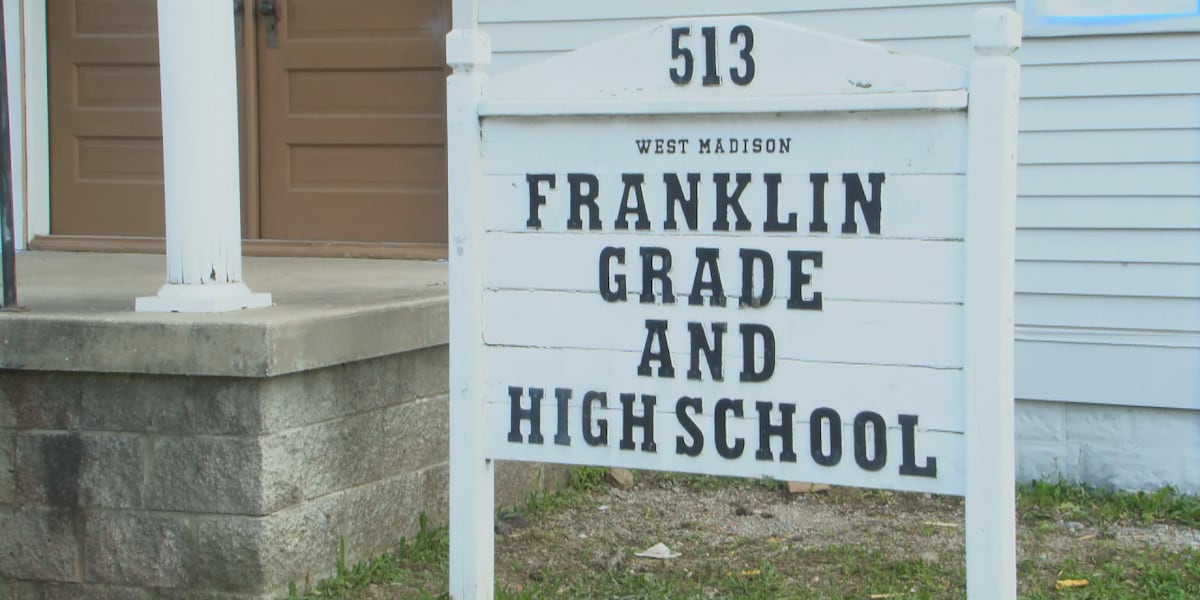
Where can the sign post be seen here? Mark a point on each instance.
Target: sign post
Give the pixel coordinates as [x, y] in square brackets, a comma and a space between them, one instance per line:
[991, 223]
[472, 478]
[731, 246]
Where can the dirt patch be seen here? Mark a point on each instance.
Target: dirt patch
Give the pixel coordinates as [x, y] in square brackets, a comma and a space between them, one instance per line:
[730, 538]
[726, 529]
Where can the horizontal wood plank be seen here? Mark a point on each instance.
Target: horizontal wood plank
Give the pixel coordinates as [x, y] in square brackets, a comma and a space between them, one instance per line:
[1123, 375]
[1126, 146]
[911, 206]
[1115, 312]
[944, 447]
[1111, 79]
[837, 333]
[1109, 49]
[887, 142]
[852, 269]
[1118, 246]
[1108, 212]
[1109, 113]
[845, 387]
[1109, 180]
[1139, 280]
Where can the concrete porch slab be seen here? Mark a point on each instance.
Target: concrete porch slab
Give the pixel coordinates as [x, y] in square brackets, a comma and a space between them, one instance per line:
[326, 311]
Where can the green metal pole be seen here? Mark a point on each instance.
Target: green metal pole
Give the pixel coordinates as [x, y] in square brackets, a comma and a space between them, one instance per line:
[8, 256]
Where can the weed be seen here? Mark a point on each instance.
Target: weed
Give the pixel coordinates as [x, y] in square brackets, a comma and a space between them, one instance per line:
[1060, 500]
[410, 563]
[586, 479]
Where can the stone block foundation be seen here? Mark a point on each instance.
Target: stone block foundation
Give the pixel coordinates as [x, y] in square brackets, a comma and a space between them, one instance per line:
[1115, 447]
[180, 486]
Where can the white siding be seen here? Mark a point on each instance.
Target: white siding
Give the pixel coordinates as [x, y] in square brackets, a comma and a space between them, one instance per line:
[1108, 275]
[1108, 272]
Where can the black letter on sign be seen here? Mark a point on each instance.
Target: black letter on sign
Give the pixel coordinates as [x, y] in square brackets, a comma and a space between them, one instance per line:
[633, 181]
[725, 201]
[879, 428]
[749, 332]
[706, 260]
[766, 431]
[772, 223]
[801, 279]
[533, 414]
[678, 51]
[600, 437]
[816, 435]
[650, 273]
[723, 408]
[747, 35]
[855, 195]
[908, 447]
[580, 198]
[712, 352]
[818, 224]
[656, 330]
[606, 291]
[686, 203]
[710, 56]
[749, 257]
[646, 422]
[685, 421]
[563, 395]
[536, 199]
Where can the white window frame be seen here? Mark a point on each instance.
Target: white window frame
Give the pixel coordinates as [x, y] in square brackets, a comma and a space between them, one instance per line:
[1055, 18]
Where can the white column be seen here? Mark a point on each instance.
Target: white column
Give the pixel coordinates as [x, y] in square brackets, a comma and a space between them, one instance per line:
[988, 365]
[200, 159]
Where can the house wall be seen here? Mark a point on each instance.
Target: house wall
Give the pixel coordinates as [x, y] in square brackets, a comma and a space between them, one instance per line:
[1108, 251]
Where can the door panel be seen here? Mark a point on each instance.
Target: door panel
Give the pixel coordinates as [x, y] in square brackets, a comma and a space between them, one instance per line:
[343, 123]
[352, 121]
[105, 122]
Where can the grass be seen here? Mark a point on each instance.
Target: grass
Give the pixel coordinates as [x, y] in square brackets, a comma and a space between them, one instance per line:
[762, 582]
[418, 568]
[419, 565]
[1041, 500]
[1144, 574]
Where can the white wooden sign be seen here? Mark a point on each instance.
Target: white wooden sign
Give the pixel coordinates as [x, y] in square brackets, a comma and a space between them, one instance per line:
[736, 247]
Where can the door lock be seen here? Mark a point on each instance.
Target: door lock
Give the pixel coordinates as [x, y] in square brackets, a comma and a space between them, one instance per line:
[270, 10]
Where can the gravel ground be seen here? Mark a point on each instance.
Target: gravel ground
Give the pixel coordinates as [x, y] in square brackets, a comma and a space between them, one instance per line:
[737, 527]
[839, 543]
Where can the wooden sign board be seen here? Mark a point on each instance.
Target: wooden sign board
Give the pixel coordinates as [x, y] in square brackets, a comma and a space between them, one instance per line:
[732, 246]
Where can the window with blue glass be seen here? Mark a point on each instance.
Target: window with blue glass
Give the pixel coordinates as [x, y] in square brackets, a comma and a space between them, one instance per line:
[1092, 17]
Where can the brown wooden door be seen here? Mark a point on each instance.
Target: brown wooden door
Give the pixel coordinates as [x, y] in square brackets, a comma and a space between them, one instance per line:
[105, 122]
[351, 113]
[343, 120]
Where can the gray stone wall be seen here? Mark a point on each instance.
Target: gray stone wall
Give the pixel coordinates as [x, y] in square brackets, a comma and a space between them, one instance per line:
[170, 486]
[1109, 446]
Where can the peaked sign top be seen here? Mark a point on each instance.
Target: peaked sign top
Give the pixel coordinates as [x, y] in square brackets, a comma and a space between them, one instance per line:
[725, 64]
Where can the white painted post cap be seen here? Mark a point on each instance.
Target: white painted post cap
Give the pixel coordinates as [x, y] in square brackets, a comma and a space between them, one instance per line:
[996, 31]
[468, 47]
